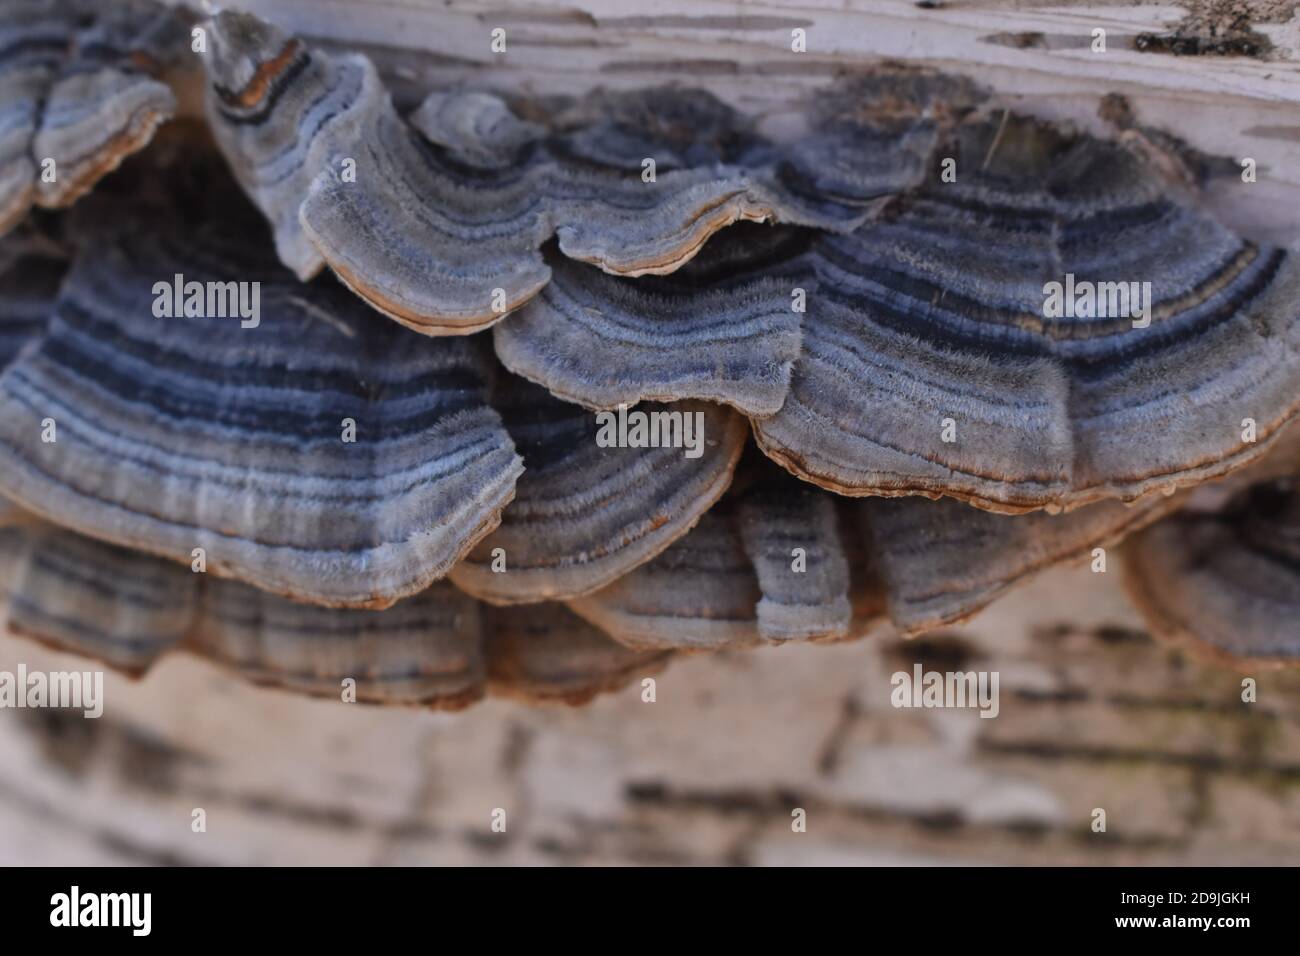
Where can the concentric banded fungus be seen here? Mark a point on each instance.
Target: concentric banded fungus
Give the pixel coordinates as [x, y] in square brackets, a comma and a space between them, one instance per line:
[871, 137]
[868, 138]
[700, 594]
[918, 376]
[709, 170]
[316, 452]
[30, 274]
[735, 579]
[283, 117]
[475, 128]
[322, 454]
[427, 650]
[723, 328]
[115, 605]
[422, 237]
[940, 562]
[791, 534]
[767, 563]
[590, 507]
[546, 653]
[928, 366]
[445, 237]
[437, 649]
[1226, 584]
[76, 95]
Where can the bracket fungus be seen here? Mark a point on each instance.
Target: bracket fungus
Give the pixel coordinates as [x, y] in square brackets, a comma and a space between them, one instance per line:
[443, 233]
[911, 564]
[1226, 582]
[202, 449]
[931, 359]
[591, 506]
[701, 593]
[545, 652]
[119, 606]
[791, 535]
[941, 562]
[768, 563]
[941, 310]
[439, 649]
[476, 128]
[79, 92]
[306, 447]
[723, 328]
[438, 245]
[32, 267]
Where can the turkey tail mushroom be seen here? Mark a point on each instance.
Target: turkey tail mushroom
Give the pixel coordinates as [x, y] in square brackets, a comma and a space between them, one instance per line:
[778, 559]
[768, 563]
[1226, 583]
[930, 359]
[443, 232]
[440, 246]
[78, 94]
[439, 649]
[289, 437]
[701, 593]
[941, 562]
[871, 137]
[546, 653]
[111, 604]
[724, 328]
[587, 509]
[425, 650]
[975, 308]
[476, 128]
[791, 534]
[32, 268]
[934, 362]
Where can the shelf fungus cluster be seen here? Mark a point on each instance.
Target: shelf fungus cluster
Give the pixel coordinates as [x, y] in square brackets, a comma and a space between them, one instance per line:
[968, 346]
[79, 92]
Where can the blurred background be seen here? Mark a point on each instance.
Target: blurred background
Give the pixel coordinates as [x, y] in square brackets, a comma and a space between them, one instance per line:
[1093, 714]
